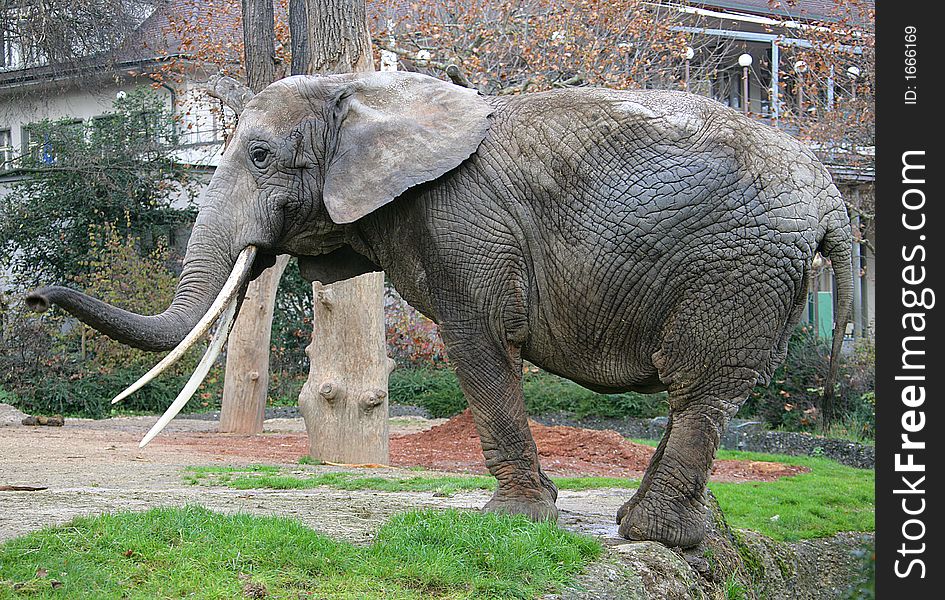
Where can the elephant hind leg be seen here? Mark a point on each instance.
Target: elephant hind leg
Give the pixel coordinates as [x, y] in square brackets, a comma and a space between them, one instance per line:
[669, 506]
[715, 349]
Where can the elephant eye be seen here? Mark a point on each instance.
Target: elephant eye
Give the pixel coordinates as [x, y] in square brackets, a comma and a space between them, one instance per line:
[260, 156]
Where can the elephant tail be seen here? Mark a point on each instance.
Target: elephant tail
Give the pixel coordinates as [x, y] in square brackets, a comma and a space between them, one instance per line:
[837, 246]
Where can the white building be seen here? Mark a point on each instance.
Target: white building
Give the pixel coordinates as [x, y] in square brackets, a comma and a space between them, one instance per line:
[32, 91]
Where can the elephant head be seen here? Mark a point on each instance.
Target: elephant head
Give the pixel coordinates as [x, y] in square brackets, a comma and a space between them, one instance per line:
[310, 156]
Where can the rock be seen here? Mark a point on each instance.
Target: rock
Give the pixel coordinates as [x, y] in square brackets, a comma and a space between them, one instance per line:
[10, 416]
[747, 562]
[43, 420]
[663, 572]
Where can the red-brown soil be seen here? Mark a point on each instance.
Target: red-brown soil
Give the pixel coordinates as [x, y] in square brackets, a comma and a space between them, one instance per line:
[564, 451]
[454, 446]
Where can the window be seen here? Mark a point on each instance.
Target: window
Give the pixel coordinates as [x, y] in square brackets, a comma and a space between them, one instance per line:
[41, 141]
[9, 48]
[11, 55]
[6, 149]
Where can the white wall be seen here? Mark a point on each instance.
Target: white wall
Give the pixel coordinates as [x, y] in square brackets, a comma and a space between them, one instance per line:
[18, 111]
[199, 121]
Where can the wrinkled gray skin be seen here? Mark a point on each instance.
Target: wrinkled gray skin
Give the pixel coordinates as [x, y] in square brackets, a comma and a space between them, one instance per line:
[644, 240]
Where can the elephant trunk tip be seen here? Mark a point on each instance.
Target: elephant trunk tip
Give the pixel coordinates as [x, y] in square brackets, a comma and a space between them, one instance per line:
[38, 300]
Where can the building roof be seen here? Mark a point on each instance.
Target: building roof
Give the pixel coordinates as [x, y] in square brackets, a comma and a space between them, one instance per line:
[156, 36]
[817, 10]
[153, 40]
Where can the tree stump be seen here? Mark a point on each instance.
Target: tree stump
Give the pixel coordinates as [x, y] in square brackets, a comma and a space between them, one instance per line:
[344, 401]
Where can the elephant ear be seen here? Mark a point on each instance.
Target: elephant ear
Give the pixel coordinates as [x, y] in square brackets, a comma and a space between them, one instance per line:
[397, 130]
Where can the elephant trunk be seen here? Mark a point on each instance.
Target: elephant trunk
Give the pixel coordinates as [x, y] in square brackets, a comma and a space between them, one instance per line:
[208, 269]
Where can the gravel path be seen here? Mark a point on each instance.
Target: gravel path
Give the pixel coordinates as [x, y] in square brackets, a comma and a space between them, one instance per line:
[90, 467]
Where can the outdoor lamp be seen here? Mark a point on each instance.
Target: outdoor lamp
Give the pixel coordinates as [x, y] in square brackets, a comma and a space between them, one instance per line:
[688, 56]
[745, 61]
[853, 72]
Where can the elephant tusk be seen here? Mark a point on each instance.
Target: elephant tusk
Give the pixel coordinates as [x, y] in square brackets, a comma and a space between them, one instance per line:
[244, 263]
[226, 323]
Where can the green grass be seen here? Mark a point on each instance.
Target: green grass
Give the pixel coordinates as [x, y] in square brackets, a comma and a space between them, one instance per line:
[262, 477]
[193, 552]
[734, 590]
[195, 475]
[594, 483]
[446, 485]
[829, 499]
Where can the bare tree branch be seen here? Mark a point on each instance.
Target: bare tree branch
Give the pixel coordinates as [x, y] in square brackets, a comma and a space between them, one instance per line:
[457, 76]
[230, 91]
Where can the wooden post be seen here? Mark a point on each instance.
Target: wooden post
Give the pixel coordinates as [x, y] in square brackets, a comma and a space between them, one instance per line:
[246, 383]
[344, 401]
[857, 304]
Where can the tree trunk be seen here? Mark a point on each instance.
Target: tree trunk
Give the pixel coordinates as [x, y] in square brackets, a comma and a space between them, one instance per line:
[246, 384]
[329, 36]
[344, 401]
[259, 43]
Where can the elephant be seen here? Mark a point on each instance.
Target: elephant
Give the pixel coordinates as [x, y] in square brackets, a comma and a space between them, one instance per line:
[642, 240]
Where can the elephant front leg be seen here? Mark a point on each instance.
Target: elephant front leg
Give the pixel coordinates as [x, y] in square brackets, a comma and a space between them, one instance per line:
[491, 379]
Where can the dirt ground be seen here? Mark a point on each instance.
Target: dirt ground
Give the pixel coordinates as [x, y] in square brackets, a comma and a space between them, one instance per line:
[564, 451]
[89, 467]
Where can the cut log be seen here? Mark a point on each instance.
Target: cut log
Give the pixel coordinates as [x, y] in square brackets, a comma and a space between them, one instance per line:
[246, 383]
[344, 402]
[246, 386]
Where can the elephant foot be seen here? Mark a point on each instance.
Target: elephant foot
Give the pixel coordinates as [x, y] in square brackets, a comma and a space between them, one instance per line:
[534, 509]
[672, 521]
[537, 505]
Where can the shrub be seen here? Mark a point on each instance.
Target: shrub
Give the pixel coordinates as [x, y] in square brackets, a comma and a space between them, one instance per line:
[792, 400]
[89, 395]
[52, 363]
[438, 391]
[118, 168]
[547, 393]
[116, 273]
[412, 339]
